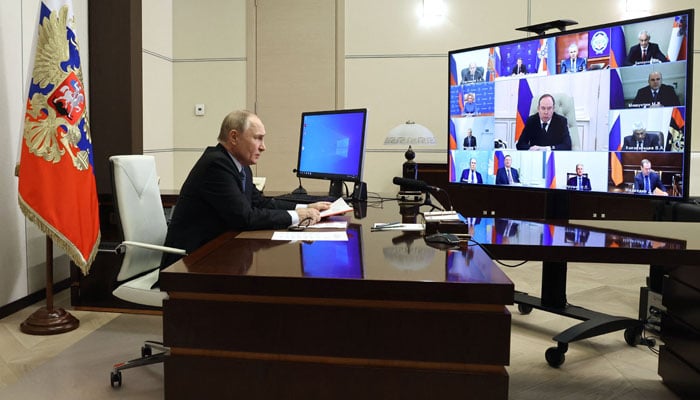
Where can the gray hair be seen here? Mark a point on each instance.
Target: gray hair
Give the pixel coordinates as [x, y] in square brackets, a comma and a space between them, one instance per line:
[238, 120]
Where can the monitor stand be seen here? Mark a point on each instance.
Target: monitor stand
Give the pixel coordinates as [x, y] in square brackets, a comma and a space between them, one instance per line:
[335, 189]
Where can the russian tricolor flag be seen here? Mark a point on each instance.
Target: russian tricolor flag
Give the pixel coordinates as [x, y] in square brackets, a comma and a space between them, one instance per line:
[618, 51]
[453, 71]
[524, 102]
[550, 171]
[677, 45]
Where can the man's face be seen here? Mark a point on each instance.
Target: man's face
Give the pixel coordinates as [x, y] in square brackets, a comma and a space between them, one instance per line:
[469, 132]
[573, 53]
[655, 81]
[472, 165]
[646, 168]
[579, 170]
[249, 144]
[644, 40]
[507, 162]
[472, 68]
[639, 134]
[546, 109]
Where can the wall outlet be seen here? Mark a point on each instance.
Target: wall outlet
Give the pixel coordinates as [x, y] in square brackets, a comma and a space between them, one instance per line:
[199, 110]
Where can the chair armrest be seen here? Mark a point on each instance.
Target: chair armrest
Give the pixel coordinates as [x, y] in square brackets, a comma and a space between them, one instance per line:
[163, 249]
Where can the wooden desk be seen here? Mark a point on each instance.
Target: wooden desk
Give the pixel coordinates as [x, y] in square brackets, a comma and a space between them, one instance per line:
[245, 319]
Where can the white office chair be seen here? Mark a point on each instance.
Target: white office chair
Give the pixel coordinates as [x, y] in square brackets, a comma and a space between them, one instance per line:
[142, 219]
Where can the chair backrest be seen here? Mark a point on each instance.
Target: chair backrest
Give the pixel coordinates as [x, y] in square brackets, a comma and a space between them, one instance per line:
[563, 105]
[140, 211]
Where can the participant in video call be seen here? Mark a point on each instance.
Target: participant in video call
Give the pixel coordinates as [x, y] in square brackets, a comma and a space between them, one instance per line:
[469, 141]
[574, 63]
[579, 182]
[648, 181]
[645, 51]
[545, 130]
[472, 74]
[506, 175]
[519, 68]
[471, 175]
[639, 140]
[656, 93]
[469, 105]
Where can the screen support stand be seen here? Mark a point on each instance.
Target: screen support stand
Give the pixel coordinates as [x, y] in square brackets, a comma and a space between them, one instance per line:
[335, 189]
[553, 300]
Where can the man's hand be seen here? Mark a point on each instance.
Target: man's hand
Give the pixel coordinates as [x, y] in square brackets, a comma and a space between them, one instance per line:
[308, 213]
[320, 205]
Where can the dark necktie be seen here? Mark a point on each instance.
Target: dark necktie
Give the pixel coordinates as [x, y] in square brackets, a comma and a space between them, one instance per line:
[579, 183]
[647, 186]
[654, 95]
[644, 55]
[243, 179]
[544, 127]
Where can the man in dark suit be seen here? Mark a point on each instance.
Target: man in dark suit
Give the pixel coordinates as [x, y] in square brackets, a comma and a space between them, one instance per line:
[579, 182]
[645, 52]
[472, 74]
[218, 194]
[656, 93]
[640, 141]
[519, 68]
[574, 63]
[471, 175]
[469, 141]
[506, 175]
[648, 181]
[545, 130]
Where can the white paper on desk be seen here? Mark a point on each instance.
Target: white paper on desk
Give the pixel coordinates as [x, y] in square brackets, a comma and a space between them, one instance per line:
[434, 216]
[399, 227]
[334, 236]
[337, 207]
[331, 224]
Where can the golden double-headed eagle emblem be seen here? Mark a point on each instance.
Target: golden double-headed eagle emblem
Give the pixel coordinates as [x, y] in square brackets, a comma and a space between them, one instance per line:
[56, 117]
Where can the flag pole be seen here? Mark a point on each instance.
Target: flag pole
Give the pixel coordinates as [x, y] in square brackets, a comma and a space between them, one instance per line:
[49, 320]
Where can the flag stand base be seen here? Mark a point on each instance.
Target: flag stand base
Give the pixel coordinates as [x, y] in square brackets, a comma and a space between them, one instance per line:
[49, 322]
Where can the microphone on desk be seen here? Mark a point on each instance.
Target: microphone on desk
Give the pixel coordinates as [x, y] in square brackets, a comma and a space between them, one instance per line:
[300, 189]
[415, 184]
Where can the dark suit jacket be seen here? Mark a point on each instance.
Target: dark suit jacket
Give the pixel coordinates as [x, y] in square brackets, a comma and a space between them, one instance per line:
[211, 202]
[572, 183]
[519, 70]
[651, 143]
[502, 177]
[654, 182]
[579, 65]
[469, 141]
[557, 134]
[666, 96]
[467, 76]
[465, 176]
[653, 51]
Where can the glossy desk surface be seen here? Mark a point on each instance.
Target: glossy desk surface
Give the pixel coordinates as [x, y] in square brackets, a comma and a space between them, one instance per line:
[240, 260]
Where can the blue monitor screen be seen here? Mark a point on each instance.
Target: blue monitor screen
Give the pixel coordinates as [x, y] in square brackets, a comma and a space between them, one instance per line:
[331, 145]
[334, 259]
[580, 111]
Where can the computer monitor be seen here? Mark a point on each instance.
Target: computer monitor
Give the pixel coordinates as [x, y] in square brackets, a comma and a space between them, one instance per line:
[611, 122]
[331, 146]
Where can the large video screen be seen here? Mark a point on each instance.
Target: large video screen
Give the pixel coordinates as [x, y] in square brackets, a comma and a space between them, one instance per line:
[604, 109]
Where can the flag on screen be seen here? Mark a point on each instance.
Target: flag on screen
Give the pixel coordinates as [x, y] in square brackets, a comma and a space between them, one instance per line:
[57, 189]
[498, 158]
[618, 51]
[494, 64]
[545, 50]
[676, 130]
[524, 103]
[452, 171]
[460, 99]
[551, 172]
[453, 71]
[678, 43]
[617, 95]
[614, 146]
[453, 136]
